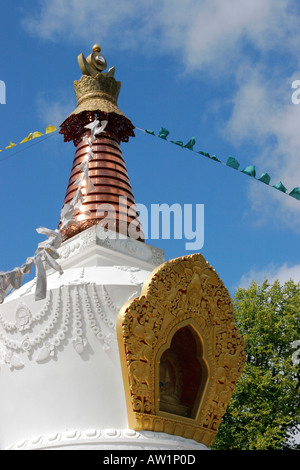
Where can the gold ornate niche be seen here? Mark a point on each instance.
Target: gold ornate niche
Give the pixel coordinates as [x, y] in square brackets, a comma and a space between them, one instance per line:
[181, 354]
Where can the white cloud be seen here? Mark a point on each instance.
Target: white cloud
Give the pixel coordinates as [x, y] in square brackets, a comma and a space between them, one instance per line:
[54, 111]
[74, 20]
[272, 272]
[214, 32]
[265, 115]
[206, 32]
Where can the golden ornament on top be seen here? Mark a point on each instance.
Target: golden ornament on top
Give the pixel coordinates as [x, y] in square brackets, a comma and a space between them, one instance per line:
[95, 63]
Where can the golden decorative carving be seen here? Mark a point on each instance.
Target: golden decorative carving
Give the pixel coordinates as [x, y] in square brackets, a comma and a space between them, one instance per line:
[183, 305]
[107, 88]
[96, 90]
[95, 63]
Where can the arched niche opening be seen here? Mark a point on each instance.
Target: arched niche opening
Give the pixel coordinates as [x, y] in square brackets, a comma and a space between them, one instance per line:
[183, 374]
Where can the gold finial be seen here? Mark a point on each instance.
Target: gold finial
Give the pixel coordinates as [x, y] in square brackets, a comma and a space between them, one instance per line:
[95, 63]
[96, 48]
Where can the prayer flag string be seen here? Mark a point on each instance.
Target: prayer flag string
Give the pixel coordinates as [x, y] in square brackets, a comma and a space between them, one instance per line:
[231, 162]
[31, 136]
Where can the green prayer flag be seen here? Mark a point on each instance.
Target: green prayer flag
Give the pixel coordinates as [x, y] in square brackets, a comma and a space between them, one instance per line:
[190, 144]
[265, 178]
[177, 142]
[163, 133]
[295, 193]
[149, 131]
[280, 187]
[214, 157]
[233, 163]
[250, 170]
[204, 153]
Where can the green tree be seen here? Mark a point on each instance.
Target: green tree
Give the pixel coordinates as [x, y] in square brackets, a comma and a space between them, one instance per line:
[264, 412]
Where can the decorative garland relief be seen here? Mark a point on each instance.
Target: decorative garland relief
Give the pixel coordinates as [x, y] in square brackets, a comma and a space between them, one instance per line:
[68, 312]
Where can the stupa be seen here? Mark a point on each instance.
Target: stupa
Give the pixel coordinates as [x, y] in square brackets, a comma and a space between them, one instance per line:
[126, 351]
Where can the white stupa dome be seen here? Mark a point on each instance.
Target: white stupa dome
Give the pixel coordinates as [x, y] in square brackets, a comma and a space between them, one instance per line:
[60, 380]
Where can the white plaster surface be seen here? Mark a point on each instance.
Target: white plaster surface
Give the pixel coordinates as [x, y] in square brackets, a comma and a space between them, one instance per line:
[61, 384]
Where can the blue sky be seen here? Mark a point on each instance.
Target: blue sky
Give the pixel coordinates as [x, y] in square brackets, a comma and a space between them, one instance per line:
[218, 71]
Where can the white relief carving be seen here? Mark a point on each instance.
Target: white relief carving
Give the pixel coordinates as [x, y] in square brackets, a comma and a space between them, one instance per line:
[26, 344]
[129, 246]
[108, 340]
[133, 248]
[35, 340]
[108, 300]
[127, 268]
[131, 270]
[88, 237]
[127, 438]
[79, 342]
[65, 312]
[45, 353]
[49, 347]
[79, 280]
[23, 317]
[70, 248]
[13, 361]
[97, 235]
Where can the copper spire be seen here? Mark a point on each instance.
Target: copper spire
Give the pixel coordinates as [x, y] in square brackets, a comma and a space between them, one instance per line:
[111, 202]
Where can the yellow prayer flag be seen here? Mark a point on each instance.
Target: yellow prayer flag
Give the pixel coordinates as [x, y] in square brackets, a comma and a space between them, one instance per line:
[50, 129]
[26, 138]
[36, 134]
[11, 144]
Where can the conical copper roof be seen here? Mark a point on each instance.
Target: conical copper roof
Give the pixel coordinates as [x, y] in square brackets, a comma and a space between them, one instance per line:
[111, 202]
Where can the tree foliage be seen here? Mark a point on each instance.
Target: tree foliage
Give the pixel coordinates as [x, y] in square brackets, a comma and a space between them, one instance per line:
[264, 413]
